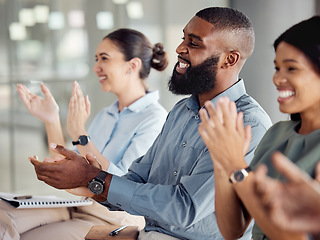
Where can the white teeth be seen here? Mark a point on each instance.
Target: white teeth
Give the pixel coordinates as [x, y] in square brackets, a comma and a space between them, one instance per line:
[286, 93]
[101, 78]
[183, 65]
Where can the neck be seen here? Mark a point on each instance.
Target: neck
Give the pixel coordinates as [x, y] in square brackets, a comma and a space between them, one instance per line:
[130, 95]
[309, 123]
[220, 86]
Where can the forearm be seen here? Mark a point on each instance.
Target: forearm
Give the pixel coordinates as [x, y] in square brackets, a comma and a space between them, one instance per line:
[54, 134]
[233, 219]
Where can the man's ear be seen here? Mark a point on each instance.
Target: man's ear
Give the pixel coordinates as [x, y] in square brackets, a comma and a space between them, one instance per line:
[231, 59]
[135, 64]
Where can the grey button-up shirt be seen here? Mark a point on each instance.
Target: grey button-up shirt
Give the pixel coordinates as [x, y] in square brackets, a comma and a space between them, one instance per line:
[173, 184]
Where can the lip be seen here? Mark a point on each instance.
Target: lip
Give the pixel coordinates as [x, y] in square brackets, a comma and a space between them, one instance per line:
[182, 65]
[102, 78]
[285, 94]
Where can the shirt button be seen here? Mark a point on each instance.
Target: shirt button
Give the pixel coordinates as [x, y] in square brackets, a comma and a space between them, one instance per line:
[184, 144]
[175, 173]
[196, 117]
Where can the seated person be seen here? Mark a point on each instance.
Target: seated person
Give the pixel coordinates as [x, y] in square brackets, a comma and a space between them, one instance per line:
[118, 134]
[172, 185]
[297, 79]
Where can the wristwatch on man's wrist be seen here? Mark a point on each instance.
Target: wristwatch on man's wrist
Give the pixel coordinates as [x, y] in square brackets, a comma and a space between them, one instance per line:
[83, 140]
[239, 175]
[96, 185]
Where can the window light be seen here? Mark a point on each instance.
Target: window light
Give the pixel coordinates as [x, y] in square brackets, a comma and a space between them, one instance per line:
[104, 20]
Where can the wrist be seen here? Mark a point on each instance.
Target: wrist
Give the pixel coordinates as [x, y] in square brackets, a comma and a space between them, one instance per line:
[75, 135]
[104, 195]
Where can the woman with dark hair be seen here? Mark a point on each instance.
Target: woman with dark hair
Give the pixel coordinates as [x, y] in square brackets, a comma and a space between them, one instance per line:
[118, 135]
[297, 79]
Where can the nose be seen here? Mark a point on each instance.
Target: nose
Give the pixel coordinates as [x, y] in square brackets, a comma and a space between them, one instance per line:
[97, 67]
[182, 48]
[279, 78]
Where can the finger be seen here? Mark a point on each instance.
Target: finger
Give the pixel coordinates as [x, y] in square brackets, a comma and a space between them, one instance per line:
[259, 178]
[93, 160]
[288, 169]
[80, 99]
[71, 105]
[203, 133]
[215, 115]
[24, 95]
[229, 118]
[46, 91]
[88, 105]
[43, 168]
[74, 86]
[247, 139]
[69, 154]
[206, 124]
[317, 170]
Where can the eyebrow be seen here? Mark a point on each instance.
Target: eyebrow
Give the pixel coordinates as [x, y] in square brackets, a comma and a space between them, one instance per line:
[194, 36]
[101, 54]
[287, 60]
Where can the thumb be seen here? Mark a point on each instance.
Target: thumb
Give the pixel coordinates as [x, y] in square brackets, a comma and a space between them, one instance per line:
[69, 154]
[93, 160]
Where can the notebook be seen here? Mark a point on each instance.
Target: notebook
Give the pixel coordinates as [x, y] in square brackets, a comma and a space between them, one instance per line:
[26, 201]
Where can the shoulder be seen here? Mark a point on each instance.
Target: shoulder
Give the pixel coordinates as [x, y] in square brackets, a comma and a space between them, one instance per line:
[253, 113]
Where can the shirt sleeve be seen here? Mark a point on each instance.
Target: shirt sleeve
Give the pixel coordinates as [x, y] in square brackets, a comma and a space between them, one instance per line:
[181, 205]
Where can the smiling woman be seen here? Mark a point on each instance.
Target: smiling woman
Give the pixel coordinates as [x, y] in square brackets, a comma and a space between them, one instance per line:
[297, 78]
[117, 136]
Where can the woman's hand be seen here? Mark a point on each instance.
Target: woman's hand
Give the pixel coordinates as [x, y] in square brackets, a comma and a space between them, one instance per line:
[292, 205]
[79, 112]
[46, 109]
[223, 133]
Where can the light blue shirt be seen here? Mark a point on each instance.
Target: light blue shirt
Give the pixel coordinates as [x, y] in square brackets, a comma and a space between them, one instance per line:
[123, 137]
[173, 184]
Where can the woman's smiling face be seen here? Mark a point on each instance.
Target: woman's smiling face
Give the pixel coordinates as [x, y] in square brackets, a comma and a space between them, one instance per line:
[111, 67]
[297, 81]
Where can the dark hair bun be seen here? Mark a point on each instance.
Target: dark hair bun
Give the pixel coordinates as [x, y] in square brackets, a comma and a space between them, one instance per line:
[159, 59]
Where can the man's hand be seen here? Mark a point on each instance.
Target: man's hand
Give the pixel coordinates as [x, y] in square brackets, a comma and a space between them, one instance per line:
[71, 172]
[293, 205]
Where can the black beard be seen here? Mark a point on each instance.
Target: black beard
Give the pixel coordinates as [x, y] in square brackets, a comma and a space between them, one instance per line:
[196, 80]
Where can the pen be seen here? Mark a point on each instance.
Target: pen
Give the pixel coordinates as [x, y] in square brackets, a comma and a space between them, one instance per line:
[115, 232]
[23, 197]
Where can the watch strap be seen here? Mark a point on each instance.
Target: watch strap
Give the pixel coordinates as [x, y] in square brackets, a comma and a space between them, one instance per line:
[244, 171]
[101, 176]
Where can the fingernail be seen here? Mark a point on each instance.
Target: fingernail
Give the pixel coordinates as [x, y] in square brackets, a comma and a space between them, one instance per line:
[36, 157]
[53, 145]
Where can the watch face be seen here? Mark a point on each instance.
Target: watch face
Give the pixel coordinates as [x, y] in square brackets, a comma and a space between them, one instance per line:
[238, 176]
[83, 140]
[96, 187]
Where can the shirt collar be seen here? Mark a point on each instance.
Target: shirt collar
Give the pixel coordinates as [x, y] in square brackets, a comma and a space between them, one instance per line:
[138, 105]
[233, 93]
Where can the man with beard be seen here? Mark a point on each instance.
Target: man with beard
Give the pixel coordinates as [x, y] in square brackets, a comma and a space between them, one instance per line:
[172, 186]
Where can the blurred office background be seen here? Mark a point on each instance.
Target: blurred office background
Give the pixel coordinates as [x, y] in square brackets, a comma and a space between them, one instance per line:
[54, 41]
